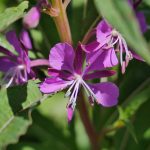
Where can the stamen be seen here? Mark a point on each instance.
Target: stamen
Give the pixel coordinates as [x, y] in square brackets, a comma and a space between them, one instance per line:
[69, 90]
[72, 100]
[121, 51]
[88, 88]
[115, 41]
[14, 74]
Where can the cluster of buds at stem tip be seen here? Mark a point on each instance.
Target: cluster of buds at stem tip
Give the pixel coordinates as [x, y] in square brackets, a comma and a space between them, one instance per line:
[53, 11]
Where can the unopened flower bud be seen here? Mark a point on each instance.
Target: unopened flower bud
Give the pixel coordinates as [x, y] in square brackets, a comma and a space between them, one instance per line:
[31, 19]
[25, 39]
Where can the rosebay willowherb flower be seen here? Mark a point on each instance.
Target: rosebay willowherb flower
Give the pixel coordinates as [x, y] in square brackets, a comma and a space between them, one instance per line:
[109, 42]
[67, 71]
[15, 66]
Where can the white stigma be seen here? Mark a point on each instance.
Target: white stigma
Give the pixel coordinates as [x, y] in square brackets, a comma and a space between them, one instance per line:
[21, 67]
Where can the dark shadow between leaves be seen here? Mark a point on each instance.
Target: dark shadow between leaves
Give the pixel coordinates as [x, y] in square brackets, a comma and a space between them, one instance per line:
[16, 96]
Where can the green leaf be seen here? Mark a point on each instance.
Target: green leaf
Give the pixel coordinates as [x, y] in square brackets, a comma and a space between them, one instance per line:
[120, 16]
[10, 15]
[147, 2]
[131, 130]
[137, 100]
[135, 103]
[13, 120]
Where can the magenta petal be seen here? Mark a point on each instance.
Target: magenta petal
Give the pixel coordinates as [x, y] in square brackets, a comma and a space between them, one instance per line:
[53, 72]
[78, 62]
[6, 64]
[25, 39]
[103, 30]
[99, 74]
[101, 59]
[106, 93]
[136, 56]
[32, 18]
[13, 40]
[52, 85]
[62, 57]
[61, 74]
[93, 46]
[69, 114]
[6, 52]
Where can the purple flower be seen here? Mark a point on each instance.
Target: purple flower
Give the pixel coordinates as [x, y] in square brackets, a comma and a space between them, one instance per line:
[108, 42]
[16, 67]
[67, 71]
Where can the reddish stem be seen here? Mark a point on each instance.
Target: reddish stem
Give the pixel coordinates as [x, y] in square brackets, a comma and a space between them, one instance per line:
[61, 21]
[93, 137]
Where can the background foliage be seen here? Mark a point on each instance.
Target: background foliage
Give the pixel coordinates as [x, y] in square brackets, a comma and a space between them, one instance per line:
[48, 128]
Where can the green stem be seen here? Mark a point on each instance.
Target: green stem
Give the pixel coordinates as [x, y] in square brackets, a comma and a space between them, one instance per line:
[93, 137]
[61, 21]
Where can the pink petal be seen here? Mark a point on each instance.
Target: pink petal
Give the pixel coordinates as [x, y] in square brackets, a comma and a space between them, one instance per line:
[13, 40]
[136, 56]
[79, 58]
[6, 64]
[62, 57]
[103, 30]
[106, 93]
[101, 59]
[91, 47]
[6, 52]
[52, 85]
[99, 74]
[61, 74]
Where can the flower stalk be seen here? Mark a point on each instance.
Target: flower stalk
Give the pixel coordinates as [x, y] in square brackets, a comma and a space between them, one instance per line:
[61, 21]
[39, 62]
[93, 136]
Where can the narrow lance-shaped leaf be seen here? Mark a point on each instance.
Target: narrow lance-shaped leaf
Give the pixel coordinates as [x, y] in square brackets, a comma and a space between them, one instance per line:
[10, 15]
[14, 111]
[136, 102]
[119, 14]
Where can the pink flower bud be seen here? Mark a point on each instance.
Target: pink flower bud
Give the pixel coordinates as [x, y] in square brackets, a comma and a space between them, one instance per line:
[70, 113]
[31, 19]
[25, 39]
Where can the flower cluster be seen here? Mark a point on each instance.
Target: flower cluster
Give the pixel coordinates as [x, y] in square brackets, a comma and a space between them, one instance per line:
[108, 42]
[68, 68]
